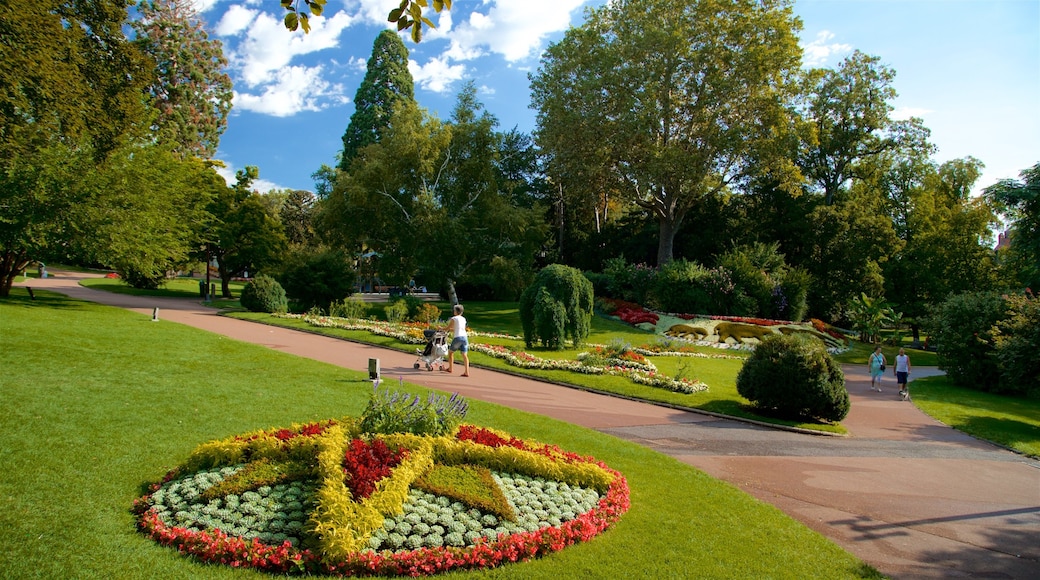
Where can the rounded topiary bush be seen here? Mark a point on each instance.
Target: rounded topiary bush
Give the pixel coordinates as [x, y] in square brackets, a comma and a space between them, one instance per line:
[793, 376]
[264, 294]
[557, 306]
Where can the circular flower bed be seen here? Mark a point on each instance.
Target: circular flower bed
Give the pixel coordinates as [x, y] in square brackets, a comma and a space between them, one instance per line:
[324, 498]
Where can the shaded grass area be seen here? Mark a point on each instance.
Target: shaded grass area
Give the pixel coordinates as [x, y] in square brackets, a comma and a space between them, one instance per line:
[97, 401]
[719, 374]
[1013, 422]
[173, 288]
[861, 351]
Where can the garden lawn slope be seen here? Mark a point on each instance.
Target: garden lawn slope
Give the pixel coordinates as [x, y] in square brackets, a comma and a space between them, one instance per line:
[97, 401]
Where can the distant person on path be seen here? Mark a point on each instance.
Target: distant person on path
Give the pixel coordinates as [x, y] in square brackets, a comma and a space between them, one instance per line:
[876, 366]
[902, 372]
[460, 342]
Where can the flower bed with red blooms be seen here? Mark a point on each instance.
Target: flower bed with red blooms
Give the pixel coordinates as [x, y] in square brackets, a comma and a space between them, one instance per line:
[630, 312]
[404, 457]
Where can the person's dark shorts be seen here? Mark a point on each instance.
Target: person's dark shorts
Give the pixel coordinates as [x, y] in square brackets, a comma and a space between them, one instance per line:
[901, 378]
[459, 343]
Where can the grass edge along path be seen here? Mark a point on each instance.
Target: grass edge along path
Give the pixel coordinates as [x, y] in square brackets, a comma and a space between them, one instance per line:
[721, 398]
[94, 409]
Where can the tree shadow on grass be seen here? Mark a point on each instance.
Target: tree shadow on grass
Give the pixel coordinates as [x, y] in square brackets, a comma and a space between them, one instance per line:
[1018, 435]
[22, 297]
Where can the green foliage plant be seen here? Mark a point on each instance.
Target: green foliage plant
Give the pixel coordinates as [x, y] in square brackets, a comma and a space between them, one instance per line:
[869, 315]
[396, 311]
[399, 412]
[794, 376]
[264, 294]
[688, 287]
[557, 306]
[962, 330]
[428, 314]
[317, 278]
[349, 308]
[472, 485]
[630, 282]
[1017, 346]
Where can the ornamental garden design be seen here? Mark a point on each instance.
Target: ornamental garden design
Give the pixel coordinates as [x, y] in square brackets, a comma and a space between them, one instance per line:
[406, 489]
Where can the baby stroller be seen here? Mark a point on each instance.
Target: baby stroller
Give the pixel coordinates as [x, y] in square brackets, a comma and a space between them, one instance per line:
[436, 349]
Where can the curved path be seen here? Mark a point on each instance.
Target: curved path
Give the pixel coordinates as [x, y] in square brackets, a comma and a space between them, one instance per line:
[906, 494]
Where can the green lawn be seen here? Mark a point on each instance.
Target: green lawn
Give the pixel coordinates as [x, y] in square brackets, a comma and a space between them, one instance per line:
[1013, 422]
[173, 288]
[98, 401]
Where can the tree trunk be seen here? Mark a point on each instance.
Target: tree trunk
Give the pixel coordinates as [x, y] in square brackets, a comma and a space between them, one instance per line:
[666, 240]
[453, 297]
[225, 280]
[11, 266]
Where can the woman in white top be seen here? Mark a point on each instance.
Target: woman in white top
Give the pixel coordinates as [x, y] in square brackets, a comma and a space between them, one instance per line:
[460, 342]
[902, 372]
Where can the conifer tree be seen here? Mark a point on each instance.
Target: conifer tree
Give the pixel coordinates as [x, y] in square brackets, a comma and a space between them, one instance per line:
[386, 82]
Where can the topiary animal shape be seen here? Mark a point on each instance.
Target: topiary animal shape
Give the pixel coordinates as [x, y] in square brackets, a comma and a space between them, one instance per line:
[740, 331]
[686, 331]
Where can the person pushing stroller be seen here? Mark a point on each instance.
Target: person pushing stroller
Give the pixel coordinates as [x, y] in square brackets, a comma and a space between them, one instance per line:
[459, 341]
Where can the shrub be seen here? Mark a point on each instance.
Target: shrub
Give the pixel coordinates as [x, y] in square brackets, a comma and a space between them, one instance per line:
[962, 330]
[264, 294]
[428, 313]
[317, 279]
[794, 377]
[142, 279]
[1017, 344]
[556, 306]
[631, 282]
[349, 308]
[682, 286]
[396, 311]
[398, 412]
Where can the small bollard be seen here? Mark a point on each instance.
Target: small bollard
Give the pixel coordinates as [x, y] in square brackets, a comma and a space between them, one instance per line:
[155, 314]
[373, 368]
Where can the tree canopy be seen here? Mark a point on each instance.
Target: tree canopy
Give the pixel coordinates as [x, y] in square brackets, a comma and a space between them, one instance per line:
[672, 99]
[387, 81]
[192, 94]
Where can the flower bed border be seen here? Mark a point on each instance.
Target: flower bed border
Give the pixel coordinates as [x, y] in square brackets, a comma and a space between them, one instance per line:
[215, 546]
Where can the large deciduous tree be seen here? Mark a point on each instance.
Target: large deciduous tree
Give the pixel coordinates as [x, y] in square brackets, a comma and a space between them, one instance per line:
[1019, 200]
[70, 86]
[246, 236]
[387, 81]
[192, 94]
[671, 100]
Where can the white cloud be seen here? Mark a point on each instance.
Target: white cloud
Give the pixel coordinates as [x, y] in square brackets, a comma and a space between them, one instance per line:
[268, 46]
[514, 30]
[436, 75]
[904, 113]
[235, 20]
[203, 5]
[818, 51]
[291, 90]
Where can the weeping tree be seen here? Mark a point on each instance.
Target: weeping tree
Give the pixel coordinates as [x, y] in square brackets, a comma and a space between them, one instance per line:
[557, 306]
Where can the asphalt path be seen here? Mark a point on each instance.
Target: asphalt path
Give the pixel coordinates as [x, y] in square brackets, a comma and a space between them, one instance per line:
[905, 493]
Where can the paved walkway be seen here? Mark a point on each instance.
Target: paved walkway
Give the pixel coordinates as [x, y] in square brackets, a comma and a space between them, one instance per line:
[904, 493]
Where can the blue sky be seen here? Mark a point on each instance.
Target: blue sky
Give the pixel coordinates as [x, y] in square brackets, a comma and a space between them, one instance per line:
[969, 68]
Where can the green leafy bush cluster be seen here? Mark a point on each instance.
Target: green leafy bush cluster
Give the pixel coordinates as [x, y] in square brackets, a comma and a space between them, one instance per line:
[264, 294]
[396, 311]
[794, 377]
[399, 412]
[750, 280]
[989, 342]
[317, 278]
[349, 308]
[557, 306]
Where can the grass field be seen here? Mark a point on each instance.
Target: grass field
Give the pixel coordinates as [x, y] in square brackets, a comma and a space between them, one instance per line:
[98, 401]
